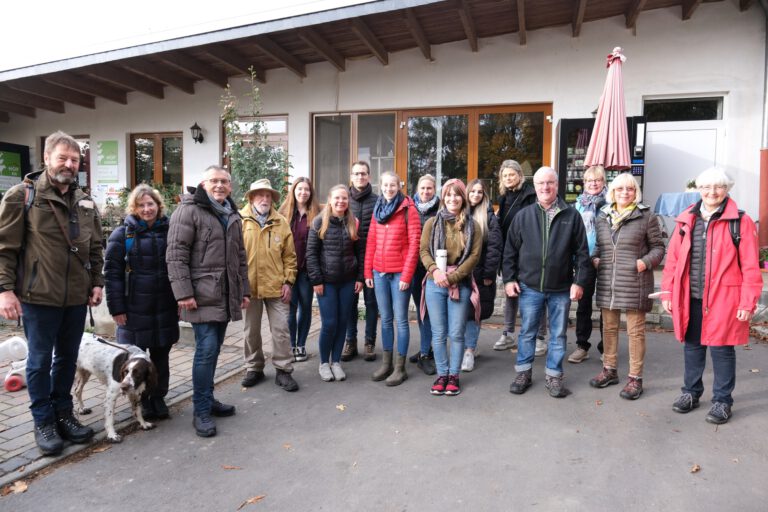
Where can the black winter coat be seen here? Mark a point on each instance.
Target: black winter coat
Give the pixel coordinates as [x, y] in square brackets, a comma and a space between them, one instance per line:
[362, 209]
[487, 267]
[510, 204]
[148, 302]
[335, 258]
[424, 217]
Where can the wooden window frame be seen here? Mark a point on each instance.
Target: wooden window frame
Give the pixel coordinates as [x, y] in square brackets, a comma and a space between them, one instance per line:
[157, 172]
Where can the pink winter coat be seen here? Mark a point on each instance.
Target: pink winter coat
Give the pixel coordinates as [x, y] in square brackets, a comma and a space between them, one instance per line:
[394, 247]
[727, 287]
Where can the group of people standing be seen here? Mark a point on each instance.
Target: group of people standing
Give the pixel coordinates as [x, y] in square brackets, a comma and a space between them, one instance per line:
[443, 247]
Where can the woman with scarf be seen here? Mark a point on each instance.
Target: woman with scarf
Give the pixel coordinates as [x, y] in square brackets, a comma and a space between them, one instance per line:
[139, 295]
[629, 246]
[485, 272]
[427, 203]
[391, 252]
[450, 248]
[588, 204]
[299, 209]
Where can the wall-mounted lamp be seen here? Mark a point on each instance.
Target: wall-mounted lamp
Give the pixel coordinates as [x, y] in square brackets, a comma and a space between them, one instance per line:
[197, 133]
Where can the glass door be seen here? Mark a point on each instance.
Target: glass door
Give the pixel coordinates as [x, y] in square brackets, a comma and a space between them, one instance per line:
[437, 145]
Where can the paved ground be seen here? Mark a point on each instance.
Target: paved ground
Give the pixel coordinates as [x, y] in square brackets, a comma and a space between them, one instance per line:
[358, 445]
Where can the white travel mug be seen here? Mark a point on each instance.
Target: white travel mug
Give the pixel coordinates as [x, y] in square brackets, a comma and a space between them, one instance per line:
[441, 259]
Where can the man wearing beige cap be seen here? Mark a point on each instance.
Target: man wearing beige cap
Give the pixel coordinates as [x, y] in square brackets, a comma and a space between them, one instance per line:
[271, 273]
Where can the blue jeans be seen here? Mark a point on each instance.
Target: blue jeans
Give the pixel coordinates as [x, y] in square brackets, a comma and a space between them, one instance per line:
[336, 307]
[425, 327]
[371, 317]
[532, 304]
[53, 341]
[695, 354]
[471, 334]
[449, 319]
[393, 308]
[301, 302]
[208, 339]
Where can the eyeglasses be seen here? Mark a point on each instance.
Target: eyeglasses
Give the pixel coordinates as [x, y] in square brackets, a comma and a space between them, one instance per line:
[545, 183]
[710, 188]
[600, 180]
[623, 189]
[359, 174]
[219, 181]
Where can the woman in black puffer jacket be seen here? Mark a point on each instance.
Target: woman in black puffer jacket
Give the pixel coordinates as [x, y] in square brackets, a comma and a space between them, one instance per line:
[139, 295]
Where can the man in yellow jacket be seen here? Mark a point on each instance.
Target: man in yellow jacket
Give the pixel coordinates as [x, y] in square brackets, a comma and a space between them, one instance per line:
[271, 272]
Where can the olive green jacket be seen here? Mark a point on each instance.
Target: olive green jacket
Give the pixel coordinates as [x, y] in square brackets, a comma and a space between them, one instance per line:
[51, 274]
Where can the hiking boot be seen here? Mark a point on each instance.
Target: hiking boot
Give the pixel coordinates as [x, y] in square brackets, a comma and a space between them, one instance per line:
[350, 350]
[468, 361]
[685, 403]
[541, 347]
[161, 409]
[369, 352]
[522, 382]
[438, 388]
[204, 425]
[633, 389]
[426, 363]
[338, 372]
[506, 341]
[398, 375]
[48, 439]
[300, 354]
[719, 413]
[148, 409]
[285, 380]
[252, 377]
[555, 386]
[415, 357]
[452, 388]
[325, 372]
[71, 429]
[385, 370]
[605, 378]
[578, 356]
[222, 410]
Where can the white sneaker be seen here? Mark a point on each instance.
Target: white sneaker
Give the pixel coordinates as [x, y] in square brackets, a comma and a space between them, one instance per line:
[578, 356]
[337, 372]
[541, 348]
[325, 372]
[505, 342]
[468, 363]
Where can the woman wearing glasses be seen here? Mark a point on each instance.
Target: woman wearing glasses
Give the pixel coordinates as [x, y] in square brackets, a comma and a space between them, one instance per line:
[711, 286]
[629, 246]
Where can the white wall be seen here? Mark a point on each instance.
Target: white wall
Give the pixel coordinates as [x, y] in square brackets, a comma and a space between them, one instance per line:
[718, 51]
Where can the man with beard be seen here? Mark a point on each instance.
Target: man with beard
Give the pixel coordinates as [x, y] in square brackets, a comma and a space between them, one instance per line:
[50, 269]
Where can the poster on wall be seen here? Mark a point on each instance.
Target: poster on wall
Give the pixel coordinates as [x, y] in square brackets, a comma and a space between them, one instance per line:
[10, 170]
[106, 175]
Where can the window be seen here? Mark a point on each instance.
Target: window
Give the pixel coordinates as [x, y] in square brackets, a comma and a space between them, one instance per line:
[684, 109]
[157, 158]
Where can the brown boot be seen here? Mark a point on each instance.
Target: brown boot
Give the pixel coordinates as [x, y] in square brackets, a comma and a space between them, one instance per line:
[350, 350]
[399, 375]
[386, 367]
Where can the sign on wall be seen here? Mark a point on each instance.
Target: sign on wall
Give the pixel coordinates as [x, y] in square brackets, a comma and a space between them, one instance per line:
[10, 169]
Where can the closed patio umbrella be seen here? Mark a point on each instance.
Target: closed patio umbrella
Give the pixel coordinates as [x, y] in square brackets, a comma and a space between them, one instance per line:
[609, 144]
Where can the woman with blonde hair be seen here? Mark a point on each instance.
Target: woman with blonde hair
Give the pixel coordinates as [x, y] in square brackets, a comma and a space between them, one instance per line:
[334, 266]
[300, 209]
[139, 295]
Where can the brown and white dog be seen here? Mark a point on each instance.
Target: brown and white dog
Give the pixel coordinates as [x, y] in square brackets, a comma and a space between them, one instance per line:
[124, 369]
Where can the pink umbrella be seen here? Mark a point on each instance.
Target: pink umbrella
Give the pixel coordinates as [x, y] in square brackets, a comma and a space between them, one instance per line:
[609, 145]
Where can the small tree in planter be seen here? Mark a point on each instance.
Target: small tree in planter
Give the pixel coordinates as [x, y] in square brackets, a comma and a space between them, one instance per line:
[247, 154]
[764, 257]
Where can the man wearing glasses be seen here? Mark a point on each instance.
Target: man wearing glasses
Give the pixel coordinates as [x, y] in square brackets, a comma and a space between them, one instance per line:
[546, 263]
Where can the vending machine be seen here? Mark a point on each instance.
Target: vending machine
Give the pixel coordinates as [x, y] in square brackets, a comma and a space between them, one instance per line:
[572, 140]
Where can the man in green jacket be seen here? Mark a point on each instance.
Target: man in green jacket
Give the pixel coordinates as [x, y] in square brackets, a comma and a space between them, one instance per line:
[50, 269]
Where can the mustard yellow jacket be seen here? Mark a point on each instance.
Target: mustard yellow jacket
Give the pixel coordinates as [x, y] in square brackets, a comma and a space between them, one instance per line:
[270, 253]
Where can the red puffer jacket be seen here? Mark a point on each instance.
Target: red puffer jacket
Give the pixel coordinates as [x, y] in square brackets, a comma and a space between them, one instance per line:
[394, 247]
[730, 283]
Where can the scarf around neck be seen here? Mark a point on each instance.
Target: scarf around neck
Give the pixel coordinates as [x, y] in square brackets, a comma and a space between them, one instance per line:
[359, 195]
[617, 219]
[438, 234]
[222, 211]
[424, 207]
[589, 204]
[383, 209]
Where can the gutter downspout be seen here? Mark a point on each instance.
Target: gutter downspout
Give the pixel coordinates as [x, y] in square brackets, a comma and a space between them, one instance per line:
[763, 199]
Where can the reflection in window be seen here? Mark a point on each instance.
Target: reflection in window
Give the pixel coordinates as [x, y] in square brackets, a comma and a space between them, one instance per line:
[438, 146]
[332, 160]
[157, 158]
[683, 109]
[376, 144]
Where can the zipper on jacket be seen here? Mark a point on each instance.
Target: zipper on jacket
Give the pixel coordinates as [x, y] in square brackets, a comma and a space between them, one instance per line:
[613, 266]
[707, 261]
[32, 278]
[545, 246]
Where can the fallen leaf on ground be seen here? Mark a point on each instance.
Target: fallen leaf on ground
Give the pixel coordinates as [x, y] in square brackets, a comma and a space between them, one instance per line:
[251, 501]
[747, 347]
[695, 468]
[644, 414]
[17, 487]
[224, 466]
[341, 407]
[676, 430]
[735, 461]
[598, 402]
[354, 464]
[288, 446]
[102, 448]
[754, 370]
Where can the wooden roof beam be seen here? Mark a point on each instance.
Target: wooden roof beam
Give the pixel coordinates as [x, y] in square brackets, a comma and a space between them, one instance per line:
[633, 12]
[30, 100]
[88, 85]
[371, 41]
[275, 51]
[579, 8]
[418, 33]
[235, 59]
[128, 79]
[160, 73]
[197, 67]
[745, 4]
[521, 22]
[468, 23]
[689, 6]
[53, 91]
[321, 46]
[4, 117]
[15, 108]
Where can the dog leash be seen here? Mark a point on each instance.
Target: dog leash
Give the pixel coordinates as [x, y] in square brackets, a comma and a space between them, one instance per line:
[105, 342]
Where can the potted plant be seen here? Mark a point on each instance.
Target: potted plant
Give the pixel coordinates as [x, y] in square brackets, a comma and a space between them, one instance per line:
[764, 258]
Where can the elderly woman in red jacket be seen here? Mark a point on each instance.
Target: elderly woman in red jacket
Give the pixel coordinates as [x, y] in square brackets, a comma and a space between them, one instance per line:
[391, 253]
[711, 286]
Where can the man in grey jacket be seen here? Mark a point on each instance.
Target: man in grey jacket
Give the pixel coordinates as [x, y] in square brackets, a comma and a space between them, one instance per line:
[209, 276]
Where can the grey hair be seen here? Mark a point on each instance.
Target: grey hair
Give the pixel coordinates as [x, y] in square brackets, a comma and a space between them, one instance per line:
[714, 176]
[546, 170]
[215, 168]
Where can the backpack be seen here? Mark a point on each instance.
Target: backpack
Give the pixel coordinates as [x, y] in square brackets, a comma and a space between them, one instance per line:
[734, 228]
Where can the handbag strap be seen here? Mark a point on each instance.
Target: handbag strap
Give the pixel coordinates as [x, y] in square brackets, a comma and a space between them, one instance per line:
[72, 248]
